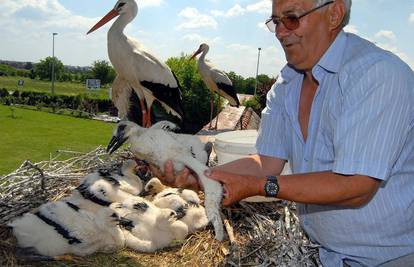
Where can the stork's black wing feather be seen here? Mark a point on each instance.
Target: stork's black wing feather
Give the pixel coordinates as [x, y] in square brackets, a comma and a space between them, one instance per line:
[134, 111]
[171, 96]
[229, 89]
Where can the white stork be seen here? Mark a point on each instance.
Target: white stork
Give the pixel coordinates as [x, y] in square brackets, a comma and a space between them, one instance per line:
[140, 75]
[215, 80]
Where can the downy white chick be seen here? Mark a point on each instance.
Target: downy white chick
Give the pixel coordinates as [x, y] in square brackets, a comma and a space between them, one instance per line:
[155, 188]
[194, 216]
[156, 146]
[129, 181]
[146, 227]
[185, 203]
[102, 188]
[59, 228]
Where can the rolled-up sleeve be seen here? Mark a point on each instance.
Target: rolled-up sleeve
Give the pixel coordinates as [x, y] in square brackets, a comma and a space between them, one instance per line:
[272, 139]
[375, 121]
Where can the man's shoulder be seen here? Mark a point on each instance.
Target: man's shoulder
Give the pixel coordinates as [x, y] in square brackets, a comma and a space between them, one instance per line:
[361, 54]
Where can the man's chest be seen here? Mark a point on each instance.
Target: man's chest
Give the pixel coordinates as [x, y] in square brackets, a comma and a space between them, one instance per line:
[312, 117]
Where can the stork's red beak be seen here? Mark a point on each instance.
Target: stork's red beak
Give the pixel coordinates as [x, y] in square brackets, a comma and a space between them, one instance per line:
[112, 14]
[195, 54]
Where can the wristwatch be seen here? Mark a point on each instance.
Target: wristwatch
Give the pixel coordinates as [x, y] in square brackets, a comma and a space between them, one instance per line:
[272, 186]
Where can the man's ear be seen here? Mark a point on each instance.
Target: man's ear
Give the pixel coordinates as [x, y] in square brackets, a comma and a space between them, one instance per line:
[337, 12]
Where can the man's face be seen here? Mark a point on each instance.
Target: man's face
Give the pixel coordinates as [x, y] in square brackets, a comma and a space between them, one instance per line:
[305, 45]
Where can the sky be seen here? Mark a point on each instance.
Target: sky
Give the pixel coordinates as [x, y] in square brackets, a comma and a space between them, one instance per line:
[234, 29]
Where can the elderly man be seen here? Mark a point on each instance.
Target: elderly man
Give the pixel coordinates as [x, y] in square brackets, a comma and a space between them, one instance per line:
[342, 114]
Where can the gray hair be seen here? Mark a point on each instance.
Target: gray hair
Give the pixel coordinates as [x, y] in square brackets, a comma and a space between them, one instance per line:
[347, 16]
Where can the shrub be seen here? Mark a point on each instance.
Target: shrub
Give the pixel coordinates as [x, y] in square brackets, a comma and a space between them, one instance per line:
[42, 99]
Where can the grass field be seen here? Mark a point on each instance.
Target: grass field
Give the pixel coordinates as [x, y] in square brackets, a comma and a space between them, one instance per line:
[33, 135]
[64, 88]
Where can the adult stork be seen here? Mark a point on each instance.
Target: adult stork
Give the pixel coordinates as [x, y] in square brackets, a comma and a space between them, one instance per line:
[215, 80]
[141, 76]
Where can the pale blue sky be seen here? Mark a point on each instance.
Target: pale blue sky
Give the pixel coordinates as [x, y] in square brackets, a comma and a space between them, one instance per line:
[233, 28]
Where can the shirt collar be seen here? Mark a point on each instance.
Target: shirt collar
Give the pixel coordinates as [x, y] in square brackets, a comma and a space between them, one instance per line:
[331, 61]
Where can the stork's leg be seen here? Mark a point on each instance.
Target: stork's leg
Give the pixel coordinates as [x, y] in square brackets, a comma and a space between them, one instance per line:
[211, 108]
[218, 110]
[149, 123]
[144, 113]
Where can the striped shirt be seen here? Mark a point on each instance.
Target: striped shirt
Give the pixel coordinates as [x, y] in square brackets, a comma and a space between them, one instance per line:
[361, 122]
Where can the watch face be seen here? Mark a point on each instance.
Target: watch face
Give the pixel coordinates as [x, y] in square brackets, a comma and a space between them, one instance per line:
[271, 188]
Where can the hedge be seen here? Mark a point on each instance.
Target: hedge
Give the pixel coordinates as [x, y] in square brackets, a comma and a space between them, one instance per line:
[78, 102]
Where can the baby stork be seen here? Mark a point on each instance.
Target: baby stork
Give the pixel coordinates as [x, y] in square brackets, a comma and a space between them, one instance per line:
[146, 227]
[157, 145]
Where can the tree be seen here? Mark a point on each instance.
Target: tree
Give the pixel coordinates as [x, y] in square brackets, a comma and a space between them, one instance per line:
[237, 81]
[28, 66]
[196, 96]
[103, 71]
[43, 69]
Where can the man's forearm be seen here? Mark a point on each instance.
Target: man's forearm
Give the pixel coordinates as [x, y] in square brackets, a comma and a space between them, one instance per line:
[325, 188]
[254, 165]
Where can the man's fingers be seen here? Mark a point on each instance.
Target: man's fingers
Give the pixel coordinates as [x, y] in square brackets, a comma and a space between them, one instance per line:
[216, 175]
[155, 170]
[182, 177]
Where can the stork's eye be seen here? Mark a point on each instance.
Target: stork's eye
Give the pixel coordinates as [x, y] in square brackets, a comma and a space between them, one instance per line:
[121, 5]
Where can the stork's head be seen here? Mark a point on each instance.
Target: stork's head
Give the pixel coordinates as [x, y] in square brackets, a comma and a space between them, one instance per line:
[123, 131]
[202, 49]
[126, 8]
[153, 187]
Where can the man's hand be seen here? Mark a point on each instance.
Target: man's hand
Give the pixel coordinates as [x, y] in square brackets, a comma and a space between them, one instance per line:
[237, 187]
[183, 179]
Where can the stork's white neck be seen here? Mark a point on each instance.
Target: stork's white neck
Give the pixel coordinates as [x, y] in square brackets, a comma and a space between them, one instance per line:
[202, 58]
[119, 25]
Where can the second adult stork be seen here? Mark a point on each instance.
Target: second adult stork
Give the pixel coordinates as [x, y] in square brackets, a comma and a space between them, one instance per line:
[141, 76]
[215, 80]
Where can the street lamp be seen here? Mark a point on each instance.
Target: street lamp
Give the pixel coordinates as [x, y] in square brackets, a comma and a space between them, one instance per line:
[53, 63]
[257, 69]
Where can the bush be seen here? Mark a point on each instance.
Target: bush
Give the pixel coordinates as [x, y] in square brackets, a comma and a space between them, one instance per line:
[41, 99]
[4, 92]
[254, 104]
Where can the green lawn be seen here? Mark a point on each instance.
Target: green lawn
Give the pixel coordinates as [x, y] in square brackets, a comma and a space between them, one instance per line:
[33, 135]
[64, 88]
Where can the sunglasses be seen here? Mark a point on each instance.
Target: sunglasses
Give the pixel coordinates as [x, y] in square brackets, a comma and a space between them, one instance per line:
[291, 22]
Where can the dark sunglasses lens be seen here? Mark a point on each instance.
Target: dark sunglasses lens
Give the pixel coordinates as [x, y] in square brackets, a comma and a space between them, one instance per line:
[291, 22]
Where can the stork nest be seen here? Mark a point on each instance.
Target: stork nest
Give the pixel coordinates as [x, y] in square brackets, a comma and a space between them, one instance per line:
[260, 234]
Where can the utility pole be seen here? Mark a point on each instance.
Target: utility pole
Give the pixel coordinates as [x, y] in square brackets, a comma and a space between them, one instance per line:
[53, 63]
[257, 70]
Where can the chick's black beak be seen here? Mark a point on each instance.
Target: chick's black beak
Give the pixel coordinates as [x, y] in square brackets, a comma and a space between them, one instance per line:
[115, 143]
[144, 193]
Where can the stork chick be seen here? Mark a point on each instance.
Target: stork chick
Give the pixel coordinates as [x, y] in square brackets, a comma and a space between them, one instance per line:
[156, 146]
[154, 189]
[146, 227]
[101, 188]
[194, 216]
[61, 227]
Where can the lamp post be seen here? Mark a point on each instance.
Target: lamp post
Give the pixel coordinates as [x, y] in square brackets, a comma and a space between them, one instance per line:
[53, 62]
[257, 70]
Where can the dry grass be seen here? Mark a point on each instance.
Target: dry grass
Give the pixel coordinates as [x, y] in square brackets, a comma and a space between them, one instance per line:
[265, 234]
